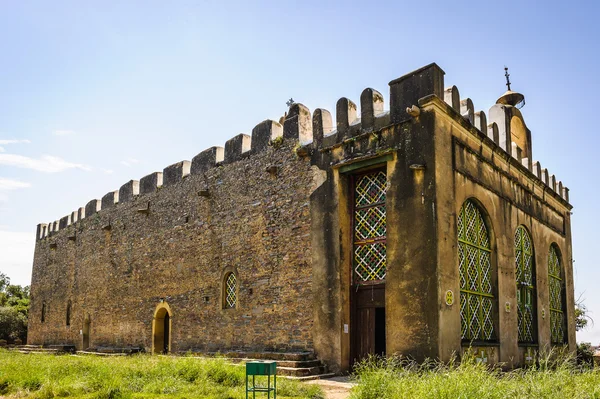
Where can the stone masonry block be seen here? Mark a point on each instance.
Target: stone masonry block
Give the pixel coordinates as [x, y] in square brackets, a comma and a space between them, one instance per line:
[129, 190]
[371, 104]
[236, 146]
[110, 199]
[345, 114]
[92, 207]
[481, 121]
[467, 110]
[408, 89]
[206, 159]
[297, 124]
[64, 222]
[173, 174]
[263, 133]
[322, 125]
[452, 97]
[149, 183]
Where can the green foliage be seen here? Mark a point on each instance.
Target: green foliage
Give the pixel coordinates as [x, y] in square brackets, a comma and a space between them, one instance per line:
[585, 354]
[581, 315]
[555, 376]
[13, 324]
[14, 307]
[139, 376]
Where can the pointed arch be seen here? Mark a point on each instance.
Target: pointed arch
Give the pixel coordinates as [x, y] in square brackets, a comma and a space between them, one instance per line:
[526, 291]
[477, 280]
[556, 287]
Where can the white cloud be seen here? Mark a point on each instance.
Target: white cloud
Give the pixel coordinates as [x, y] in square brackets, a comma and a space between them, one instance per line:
[9, 184]
[14, 141]
[108, 171]
[2, 149]
[130, 162]
[47, 163]
[63, 132]
[17, 255]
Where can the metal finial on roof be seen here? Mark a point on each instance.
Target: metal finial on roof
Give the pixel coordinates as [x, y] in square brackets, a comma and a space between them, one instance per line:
[290, 102]
[507, 77]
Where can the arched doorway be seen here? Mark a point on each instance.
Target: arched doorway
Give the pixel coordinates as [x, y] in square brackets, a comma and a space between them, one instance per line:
[86, 333]
[161, 329]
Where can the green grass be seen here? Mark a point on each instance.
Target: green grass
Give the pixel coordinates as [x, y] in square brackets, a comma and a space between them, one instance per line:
[555, 377]
[141, 376]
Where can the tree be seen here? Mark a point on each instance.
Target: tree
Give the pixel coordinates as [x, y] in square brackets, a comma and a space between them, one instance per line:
[14, 308]
[581, 314]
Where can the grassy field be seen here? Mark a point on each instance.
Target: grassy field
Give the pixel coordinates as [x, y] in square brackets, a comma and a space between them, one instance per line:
[393, 378]
[141, 376]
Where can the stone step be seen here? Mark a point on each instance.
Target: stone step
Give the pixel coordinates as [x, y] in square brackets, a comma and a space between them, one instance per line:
[301, 371]
[37, 350]
[311, 377]
[276, 356]
[282, 363]
[88, 353]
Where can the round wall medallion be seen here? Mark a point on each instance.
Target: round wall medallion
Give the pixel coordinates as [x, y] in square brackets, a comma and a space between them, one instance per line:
[449, 297]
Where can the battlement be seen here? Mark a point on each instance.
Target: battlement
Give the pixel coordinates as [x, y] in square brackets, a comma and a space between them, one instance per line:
[317, 133]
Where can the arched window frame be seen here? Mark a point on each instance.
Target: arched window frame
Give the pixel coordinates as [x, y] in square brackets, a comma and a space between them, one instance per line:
[477, 276]
[526, 291]
[230, 290]
[557, 296]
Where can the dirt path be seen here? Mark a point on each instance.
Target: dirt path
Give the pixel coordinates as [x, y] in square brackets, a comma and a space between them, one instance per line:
[335, 388]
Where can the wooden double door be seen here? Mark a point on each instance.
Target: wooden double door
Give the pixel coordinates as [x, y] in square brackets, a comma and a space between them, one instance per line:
[368, 321]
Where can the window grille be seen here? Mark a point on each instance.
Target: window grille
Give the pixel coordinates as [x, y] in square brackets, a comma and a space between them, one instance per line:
[475, 273]
[230, 291]
[369, 227]
[526, 297]
[556, 287]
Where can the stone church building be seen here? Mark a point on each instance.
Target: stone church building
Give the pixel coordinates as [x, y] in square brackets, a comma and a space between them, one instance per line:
[420, 230]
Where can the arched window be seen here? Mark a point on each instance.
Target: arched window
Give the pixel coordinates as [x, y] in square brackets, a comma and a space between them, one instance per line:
[69, 313]
[43, 318]
[525, 275]
[556, 285]
[230, 292]
[476, 279]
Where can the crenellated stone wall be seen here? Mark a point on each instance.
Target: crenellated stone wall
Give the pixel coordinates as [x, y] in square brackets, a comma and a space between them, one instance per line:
[275, 208]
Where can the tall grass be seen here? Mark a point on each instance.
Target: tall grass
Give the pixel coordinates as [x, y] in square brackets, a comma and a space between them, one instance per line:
[556, 376]
[141, 376]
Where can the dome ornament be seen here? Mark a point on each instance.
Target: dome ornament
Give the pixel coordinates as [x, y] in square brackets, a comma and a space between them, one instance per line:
[510, 97]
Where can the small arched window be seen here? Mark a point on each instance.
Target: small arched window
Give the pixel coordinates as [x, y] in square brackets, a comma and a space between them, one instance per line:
[230, 291]
[525, 276]
[43, 318]
[69, 313]
[556, 286]
[475, 272]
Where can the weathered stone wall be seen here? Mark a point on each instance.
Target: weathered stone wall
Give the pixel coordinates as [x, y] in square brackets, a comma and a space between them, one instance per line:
[276, 209]
[117, 264]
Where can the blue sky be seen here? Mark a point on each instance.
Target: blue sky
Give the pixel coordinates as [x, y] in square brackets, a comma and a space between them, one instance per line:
[93, 95]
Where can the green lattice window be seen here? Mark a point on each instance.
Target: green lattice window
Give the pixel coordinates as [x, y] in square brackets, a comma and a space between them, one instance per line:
[230, 291]
[525, 275]
[475, 273]
[369, 227]
[556, 287]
